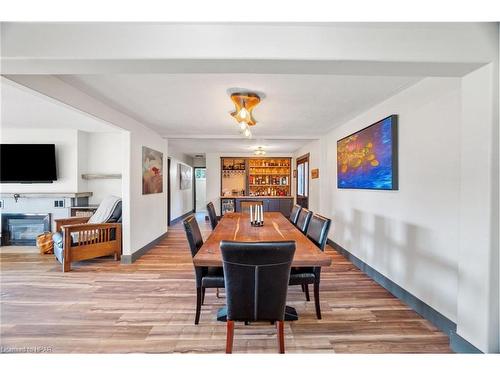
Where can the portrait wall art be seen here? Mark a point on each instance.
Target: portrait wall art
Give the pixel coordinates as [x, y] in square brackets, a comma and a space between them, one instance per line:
[186, 176]
[152, 171]
[368, 159]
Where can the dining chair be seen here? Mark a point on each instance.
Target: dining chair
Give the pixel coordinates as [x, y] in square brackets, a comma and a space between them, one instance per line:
[206, 277]
[256, 276]
[294, 215]
[303, 219]
[214, 220]
[317, 232]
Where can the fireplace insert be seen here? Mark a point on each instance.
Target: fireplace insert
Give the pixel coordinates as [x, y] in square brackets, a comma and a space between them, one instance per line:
[22, 229]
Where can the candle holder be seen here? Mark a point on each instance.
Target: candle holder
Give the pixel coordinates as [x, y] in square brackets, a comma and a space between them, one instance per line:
[258, 219]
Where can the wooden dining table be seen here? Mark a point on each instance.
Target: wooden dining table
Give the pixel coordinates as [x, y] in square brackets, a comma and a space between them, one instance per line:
[235, 226]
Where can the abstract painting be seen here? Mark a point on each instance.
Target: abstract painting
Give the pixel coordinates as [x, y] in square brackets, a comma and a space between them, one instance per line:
[368, 159]
[186, 176]
[152, 171]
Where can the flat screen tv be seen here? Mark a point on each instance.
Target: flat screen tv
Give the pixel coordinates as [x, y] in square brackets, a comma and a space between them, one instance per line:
[368, 159]
[28, 163]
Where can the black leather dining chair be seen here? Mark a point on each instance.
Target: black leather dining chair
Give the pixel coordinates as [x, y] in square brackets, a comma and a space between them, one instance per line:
[206, 277]
[317, 232]
[256, 277]
[303, 220]
[214, 220]
[294, 215]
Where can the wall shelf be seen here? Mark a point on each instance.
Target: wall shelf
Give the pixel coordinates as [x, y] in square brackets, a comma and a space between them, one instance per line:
[46, 195]
[101, 176]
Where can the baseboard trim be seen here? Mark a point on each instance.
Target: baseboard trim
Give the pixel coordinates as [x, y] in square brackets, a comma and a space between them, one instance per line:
[129, 259]
[460, 345]
[457, 343]
[182, 217]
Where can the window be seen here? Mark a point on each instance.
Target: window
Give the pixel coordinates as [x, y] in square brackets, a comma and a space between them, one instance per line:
[302, 177]
[200, 173]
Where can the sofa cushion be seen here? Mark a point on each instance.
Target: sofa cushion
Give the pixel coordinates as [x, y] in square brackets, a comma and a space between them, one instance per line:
[116, 216]
[58, 246]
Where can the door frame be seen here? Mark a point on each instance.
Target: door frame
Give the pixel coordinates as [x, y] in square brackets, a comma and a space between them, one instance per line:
[301, 159]
[168, 193]
[194, 185]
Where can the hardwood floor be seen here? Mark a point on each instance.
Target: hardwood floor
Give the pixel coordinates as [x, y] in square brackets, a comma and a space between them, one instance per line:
[102, 306]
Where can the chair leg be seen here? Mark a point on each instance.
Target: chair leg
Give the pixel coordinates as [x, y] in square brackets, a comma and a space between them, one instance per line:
[306, 290]
[217, 292]
[66, 265]
[202, 296]
[229, 336]
[316, 300]
[198, 306]
[118, 256]
[281, 336]
[302, 286]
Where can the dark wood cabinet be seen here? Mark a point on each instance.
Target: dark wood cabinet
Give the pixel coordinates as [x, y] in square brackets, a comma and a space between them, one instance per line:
[283, 205]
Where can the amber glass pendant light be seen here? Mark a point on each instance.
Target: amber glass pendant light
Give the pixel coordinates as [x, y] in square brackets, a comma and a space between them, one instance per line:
[244, 104]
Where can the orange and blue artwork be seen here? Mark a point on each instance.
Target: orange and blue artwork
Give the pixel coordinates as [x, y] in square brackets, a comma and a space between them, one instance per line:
[367, 159]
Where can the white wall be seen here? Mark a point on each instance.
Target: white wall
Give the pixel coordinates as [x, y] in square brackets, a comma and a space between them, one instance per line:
[437, 236]
[478, 235]
[77, 152]
[410, 235]
[104, 154]
[66, 142]
[181, 201]
[147, 214]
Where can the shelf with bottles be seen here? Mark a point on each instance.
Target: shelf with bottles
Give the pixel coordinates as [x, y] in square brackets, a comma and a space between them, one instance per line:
[269, 191]
[269, 162]
[269, 176]
[270, 171]
[282, 180]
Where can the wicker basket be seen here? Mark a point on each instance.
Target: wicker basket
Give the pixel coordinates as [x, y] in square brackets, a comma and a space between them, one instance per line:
[45, 243]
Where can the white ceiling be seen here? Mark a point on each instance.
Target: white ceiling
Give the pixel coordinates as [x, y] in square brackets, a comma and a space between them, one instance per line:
[23, 108]
[197, 105]
[240, 146]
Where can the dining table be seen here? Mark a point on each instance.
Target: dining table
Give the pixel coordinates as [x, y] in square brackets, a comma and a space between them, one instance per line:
[236, 226]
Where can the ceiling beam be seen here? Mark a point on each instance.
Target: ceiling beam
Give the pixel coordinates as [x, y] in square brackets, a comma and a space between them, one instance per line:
[254, 66]
[406, 49]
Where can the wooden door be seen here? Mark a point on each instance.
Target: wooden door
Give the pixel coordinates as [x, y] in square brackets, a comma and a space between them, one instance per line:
[302, 188]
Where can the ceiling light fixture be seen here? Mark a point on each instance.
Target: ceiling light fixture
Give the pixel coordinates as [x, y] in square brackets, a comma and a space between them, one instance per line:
[259, 151]
[244, 104]
[247, 133]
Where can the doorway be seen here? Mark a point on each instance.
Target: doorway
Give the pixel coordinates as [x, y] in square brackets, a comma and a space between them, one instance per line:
[168, 193]
[200, 190]
[302, 188]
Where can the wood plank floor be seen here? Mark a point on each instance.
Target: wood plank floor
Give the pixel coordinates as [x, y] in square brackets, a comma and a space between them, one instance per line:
[102, 306]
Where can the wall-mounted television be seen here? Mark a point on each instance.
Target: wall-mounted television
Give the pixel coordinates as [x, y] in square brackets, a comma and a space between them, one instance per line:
[368, 159]
[28, 163]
